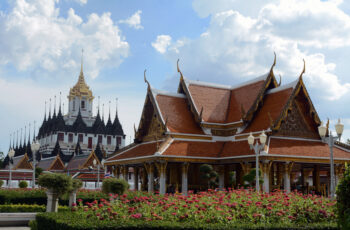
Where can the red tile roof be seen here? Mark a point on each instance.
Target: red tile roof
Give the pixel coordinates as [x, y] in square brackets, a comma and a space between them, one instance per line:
[304, 148]
[76, 162]
[176, 111]
[273, 103]
[146, 149]
[193, 149]
[222, 105]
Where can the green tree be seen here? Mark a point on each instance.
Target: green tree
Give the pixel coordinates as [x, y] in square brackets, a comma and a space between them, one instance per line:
[348, 141]
[38, 171]
[2, 157]
[343, 199]
[209, 174]
[250, 178]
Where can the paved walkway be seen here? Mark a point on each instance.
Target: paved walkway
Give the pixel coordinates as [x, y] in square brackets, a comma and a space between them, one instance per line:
[14, 228]
[16, 219]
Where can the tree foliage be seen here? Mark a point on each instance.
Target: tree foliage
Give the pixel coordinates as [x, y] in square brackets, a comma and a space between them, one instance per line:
[23, 184]
[250, 178]
[115, 186]
[209, 174]
[343, 199]
[59, 183]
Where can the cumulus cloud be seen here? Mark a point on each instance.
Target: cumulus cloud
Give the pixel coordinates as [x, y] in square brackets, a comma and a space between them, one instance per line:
[240, 45]
[162, 43]
[33, 36]
[81, 2]
[134, 21]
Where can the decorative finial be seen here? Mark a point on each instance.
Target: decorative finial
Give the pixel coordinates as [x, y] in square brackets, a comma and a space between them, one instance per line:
[116, 106]
[50, 108]
[109, 110]
[279, 84]
[34, 131]
[45, 111]
[302, 72]
[103, 111]
[274, 62]
[82, 55]
[178, 69]
[54, 104]
[145, 79]
[98, 105]
[10, 140]
[60, 99]
[17, 139]
[29, 133]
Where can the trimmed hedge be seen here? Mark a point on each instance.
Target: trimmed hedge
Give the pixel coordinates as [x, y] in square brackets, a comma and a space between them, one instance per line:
[74, 221]
[114, 186]
[38, 196]
[27, 208]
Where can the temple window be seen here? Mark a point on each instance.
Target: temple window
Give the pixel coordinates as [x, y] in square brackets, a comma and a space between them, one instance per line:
[109, 140]
[119, 141]
[99, 139]
[60, 136]
[70, 137]
[74, 105]
[83, 105]
[81, 138]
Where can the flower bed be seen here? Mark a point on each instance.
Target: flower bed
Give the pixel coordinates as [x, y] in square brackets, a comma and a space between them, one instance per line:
[27, 208]
[232, 209]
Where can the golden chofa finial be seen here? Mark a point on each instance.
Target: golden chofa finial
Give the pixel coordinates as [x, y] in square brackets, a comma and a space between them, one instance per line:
[279, 84]
[145, 79]
[178, 69]
[302, 72]
[274, 62]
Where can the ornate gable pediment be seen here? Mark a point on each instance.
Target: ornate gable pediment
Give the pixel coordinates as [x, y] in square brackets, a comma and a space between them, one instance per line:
[24, 163]
[57, 164]
[89, 160]
[297, 123]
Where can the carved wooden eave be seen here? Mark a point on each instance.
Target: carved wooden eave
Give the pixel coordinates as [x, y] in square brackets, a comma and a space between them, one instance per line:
[300, 87]
[150, 98]
[270, 81]
[56, 161]
[24, 163]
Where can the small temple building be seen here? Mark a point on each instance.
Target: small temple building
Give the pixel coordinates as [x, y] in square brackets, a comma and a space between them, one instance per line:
[206, 123]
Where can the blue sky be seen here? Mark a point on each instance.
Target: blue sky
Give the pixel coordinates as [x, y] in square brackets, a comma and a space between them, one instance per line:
[224, 41]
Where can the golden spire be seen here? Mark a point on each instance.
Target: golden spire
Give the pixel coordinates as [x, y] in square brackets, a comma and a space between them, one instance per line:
[81, 89]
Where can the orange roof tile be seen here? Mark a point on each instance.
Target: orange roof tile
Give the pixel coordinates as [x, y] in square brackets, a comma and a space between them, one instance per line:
[304, 148]
[237, 148]
[273, 103]
[244, 96]
[214, 101]
[140, 150]
[175, 110]
[223, 105]
[193, 149]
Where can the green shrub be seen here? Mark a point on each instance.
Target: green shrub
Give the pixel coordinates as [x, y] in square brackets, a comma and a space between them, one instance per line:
[76, 184]
[27, 208]
[343, 200]
[114, 185]
[73, 221]
[59, 183]
[38, 172]
[23, 184]
[209, 174]
[250, 178]
[1, 183]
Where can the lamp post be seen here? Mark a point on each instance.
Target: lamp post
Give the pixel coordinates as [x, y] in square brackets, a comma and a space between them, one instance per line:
[98, 172]
[11, 154]
[257, 148]
[322, 130]
[35, 146]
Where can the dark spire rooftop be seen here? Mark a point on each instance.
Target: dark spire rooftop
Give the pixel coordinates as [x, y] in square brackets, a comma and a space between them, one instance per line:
[78, 150]
[98, 127]
[98, 152]
[79, 125]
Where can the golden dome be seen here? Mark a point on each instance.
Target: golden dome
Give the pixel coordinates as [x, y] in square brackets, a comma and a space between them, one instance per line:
[81, 89]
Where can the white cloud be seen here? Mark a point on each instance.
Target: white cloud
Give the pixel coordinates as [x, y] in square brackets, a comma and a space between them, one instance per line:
[134, 21]
[81, 2]
[34, 37]
[162, 43]
[237, 45]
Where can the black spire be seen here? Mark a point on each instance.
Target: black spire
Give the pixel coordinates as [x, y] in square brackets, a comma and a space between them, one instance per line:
[109, 126]
[78, 150]
[98, 152]
[79, 125]
[117, 127]
[98, 127]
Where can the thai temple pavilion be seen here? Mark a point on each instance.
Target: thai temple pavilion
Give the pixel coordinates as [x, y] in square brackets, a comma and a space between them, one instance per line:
[209, 123]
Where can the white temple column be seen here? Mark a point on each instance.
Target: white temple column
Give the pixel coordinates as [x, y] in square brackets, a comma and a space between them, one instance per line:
[184, 187]
[161, 166]
[150, 173]
[221, 171]
[265, 168]
[286, 176]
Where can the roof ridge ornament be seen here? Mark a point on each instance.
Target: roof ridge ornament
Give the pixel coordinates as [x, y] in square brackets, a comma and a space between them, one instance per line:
[279, 84]
[274, 62]
[178, 69]
[145, 79]
[302, 72]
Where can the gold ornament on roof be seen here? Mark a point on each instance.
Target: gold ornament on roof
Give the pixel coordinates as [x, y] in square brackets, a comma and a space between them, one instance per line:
[81, 89]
